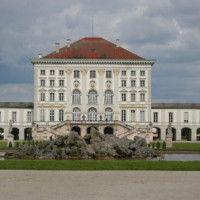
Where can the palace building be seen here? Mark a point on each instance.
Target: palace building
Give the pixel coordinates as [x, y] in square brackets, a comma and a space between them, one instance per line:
[93, 82]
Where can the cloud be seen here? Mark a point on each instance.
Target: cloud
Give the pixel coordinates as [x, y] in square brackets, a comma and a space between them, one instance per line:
[16, 93]
[168, 31]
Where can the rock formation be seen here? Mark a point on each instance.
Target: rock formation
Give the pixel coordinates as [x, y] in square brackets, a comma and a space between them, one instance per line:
[91, 146]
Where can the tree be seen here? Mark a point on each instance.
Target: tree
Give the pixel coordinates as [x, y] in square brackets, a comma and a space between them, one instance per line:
[157, 145]
[10, 144]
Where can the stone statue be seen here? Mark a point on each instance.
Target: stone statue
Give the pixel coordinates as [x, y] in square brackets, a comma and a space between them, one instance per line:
[169, 130]
[33, 127]
[10, 127]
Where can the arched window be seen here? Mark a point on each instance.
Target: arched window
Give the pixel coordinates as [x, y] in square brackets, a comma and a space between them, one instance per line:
[92, 97]
[92, 114]
[76, 97]
[108, 114]
[76, 115]
[108, 98]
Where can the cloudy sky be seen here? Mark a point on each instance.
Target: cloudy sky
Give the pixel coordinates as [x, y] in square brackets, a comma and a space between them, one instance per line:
[165, 30]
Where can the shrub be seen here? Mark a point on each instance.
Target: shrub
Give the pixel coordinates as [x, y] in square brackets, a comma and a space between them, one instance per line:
[10, 145]
[33, 143]
[157, 145]
[29, 143]
[17, 144]
[149, 145]
[164, 146]
[59, 151]
[24, 142]
[153, 145]
[36, 142]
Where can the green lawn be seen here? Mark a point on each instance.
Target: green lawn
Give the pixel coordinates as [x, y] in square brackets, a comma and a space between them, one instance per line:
[99, 165]
[186, 146]
[3, 144]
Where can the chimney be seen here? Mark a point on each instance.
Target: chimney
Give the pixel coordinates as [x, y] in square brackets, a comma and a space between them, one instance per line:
[40, 55]
[117, 42]
[68, 43]
[57, 47]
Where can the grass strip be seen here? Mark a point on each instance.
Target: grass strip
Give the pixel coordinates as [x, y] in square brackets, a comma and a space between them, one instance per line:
[186, 146]
[99, 165]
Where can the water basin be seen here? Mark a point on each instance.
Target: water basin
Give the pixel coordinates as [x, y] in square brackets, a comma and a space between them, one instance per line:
[182, 157]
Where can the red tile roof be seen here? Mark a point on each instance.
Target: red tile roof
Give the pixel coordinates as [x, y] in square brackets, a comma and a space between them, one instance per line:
[92, 48]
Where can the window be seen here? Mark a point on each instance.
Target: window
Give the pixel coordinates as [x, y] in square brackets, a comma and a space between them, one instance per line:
[142, 97]
[52, 72]
[132, 115]
[52, 96]
[123, 97]
[52, 83]
[142, 83]
[42, 96]
[42, 83]
[108, 98]
[132, 83]
[61, 83]
[61, 96]
[142, 116]
[132, 97]
[14, 117]
[92, 97]
[108, 74]
[61, 72]
[76, 74]
[170, 116]
[92, 74]
[29, 116]
[123, 115]
[142, 73]
[133, 73]
[76, 114]
[51, 115]
[123, 83]
[42, 115]
[76, 97]
[61, 115]
[92, 114]
[155, 117]
[42, 72]
[186, 117]
[123, 73]
[108, 114]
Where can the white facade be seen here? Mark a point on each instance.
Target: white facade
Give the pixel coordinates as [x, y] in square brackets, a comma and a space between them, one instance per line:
[184, 118]
[128, 82]
[21, 115]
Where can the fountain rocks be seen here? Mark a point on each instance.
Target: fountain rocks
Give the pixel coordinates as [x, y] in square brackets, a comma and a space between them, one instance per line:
[91, 146]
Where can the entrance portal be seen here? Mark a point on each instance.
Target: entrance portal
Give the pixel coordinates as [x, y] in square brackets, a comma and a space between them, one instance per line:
[108, 130]
[186, 134]
[15, 132]
[76, 129]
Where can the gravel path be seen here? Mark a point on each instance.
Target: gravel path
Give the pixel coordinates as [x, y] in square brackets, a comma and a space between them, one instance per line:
[99, 185]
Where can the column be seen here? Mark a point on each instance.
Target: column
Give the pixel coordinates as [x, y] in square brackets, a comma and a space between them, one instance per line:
[69, 94]
[163, 133]
[116, 94]
[101, 92]
[194, 134]
[21, 133]
[83, 88]
[178, 134]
